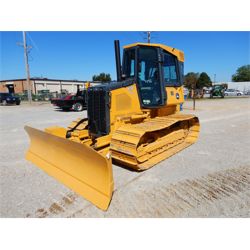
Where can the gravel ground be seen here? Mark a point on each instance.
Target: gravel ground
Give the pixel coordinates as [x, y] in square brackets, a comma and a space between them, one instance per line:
[209, 179]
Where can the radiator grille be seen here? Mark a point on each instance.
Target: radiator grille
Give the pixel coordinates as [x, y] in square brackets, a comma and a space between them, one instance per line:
[98, 111]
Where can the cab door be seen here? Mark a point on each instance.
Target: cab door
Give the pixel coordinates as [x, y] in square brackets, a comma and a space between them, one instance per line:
[150, 86]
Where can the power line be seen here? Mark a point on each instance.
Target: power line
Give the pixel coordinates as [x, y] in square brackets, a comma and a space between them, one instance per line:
[33, 42]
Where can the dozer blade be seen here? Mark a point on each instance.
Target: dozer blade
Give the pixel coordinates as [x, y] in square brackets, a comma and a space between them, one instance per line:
[76, 165]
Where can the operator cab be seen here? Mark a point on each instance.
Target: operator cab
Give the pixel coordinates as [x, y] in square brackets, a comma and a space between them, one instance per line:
[153, 69]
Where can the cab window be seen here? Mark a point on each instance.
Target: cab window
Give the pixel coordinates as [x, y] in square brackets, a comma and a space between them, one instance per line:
[129, 63]
[170, 69]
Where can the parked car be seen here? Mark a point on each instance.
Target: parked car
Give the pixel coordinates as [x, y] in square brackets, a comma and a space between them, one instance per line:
[233, 92]
[247, 92]
[75, 102]
[7, 98]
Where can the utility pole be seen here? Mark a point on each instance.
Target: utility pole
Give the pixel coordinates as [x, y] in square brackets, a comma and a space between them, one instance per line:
[27, 67]
[149, 36]
[194, 86]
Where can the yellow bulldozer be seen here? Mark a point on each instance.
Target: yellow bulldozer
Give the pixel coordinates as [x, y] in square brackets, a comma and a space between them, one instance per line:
[135, 121]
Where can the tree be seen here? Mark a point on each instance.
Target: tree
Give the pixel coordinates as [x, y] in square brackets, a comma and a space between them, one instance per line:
[203, 81]
[102, 77]
[242, 74]
[190, 80]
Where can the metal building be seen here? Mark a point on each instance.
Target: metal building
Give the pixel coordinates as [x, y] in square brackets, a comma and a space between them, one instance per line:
[19, 86]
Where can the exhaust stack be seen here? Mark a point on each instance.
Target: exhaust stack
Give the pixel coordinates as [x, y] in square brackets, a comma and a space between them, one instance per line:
[118, 61]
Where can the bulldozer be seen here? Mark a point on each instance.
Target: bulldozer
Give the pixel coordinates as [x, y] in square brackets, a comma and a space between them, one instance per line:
[135, 121]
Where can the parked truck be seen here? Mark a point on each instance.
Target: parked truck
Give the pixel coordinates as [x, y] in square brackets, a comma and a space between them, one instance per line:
[75, 102]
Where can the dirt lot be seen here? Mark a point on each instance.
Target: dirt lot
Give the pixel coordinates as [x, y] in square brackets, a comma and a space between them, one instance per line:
[208, 179]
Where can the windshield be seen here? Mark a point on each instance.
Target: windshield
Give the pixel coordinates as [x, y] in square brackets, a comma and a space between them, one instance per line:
[148, 76]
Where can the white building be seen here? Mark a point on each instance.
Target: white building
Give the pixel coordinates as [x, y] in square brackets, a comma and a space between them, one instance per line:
[242, 86]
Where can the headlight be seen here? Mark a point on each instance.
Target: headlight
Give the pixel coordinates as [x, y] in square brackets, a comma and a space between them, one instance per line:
[7, 98]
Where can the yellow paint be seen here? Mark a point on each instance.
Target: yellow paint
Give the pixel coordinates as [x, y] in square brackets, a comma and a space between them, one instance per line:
[76, 165]
[178, 53]
[118, 109]
[171, 95]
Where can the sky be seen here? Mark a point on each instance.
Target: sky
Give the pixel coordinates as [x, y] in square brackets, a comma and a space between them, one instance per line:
[80, 55]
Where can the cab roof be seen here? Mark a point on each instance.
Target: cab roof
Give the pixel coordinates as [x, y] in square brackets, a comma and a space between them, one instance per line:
[178, 53]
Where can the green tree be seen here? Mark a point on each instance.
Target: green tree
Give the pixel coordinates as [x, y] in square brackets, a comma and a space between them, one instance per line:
[242, 74]
[190, 80]
[203, 81]
[102, 77]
